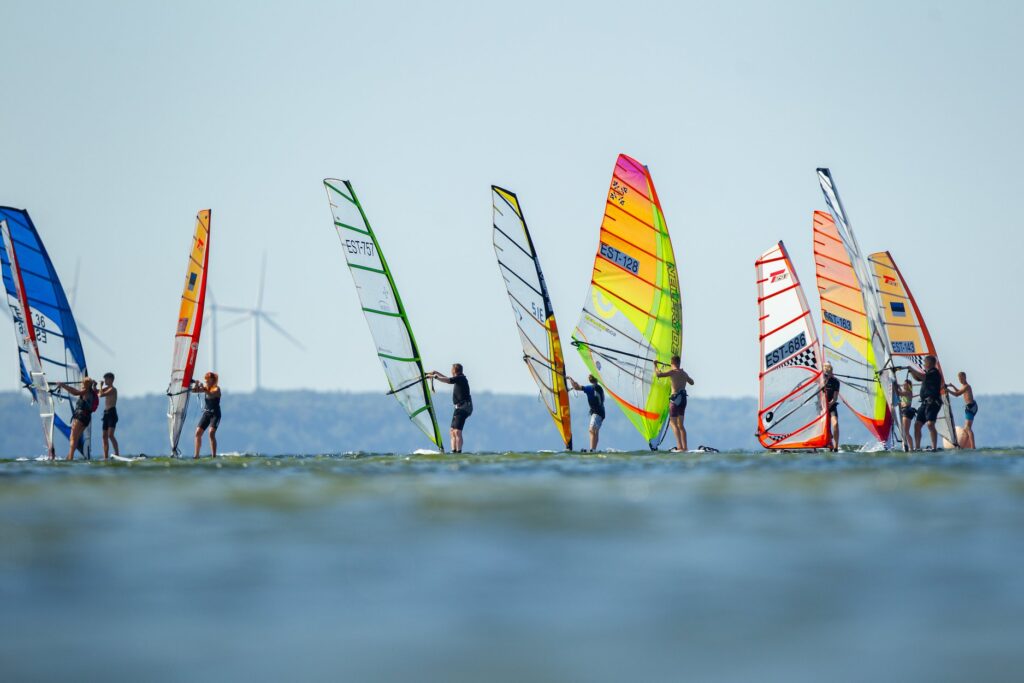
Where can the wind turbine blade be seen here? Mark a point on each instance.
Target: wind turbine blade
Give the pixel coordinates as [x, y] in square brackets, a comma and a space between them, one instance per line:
[95, 340]
[236, 309]
[280, 330]
[236, 323]
[74, 283]
[263, 279]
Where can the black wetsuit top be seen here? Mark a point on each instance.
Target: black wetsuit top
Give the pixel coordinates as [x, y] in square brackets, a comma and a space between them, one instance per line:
[931, 386]
[595, 397]
[831, 389]
[212, 405]
[84, 404]
[460, 390]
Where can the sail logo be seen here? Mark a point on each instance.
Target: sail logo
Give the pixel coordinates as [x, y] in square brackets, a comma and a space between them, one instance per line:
[779, 276]
[776, 356]
[898, 309]
[182, 325]
[617, 193]
[620, 258]
[841, 323]
[889, 280]
[192, 279]
[903, 347]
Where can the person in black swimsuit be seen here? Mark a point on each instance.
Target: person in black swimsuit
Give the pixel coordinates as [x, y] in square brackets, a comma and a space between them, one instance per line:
[82, 416]
[462, 400]
[832, 402]
[931, 399]
[211, 411]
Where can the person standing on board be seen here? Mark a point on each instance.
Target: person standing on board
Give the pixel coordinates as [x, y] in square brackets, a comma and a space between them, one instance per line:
[109, 395]
[677, 400]
[931, 399]
[832, 402]
[970, 408]
[907, 411]
[211, 411]
[461, 399]
[595, 397]
[82, 416]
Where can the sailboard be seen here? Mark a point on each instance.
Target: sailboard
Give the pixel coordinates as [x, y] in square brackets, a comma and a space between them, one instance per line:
[383, 309]
[632, 315]
[792, 410]
[189, 328]
[909, 339]
[531, 306]
[49, 346]
[850, 343]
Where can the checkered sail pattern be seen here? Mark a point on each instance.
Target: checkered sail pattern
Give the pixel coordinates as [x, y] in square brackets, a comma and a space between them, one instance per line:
[791, 409]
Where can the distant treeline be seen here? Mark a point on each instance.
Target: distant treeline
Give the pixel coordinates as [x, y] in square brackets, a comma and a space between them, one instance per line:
[276, 422]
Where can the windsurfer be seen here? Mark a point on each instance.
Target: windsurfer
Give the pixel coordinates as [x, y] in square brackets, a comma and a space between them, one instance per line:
[931, 399]
[462, 400]
[109, 395]
[832, 401]
[87, 401]
[970, 408]
[211, 411]
[677, 400]
[595, 397]
[907, 411]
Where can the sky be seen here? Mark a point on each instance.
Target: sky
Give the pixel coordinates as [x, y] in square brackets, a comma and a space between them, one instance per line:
[122, 120]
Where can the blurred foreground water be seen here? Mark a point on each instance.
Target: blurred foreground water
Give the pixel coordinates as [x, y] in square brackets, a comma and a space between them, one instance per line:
[515, 567]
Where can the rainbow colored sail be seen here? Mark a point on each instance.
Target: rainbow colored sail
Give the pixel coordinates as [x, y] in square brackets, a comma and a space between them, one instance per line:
[632, 315]
[846, 331]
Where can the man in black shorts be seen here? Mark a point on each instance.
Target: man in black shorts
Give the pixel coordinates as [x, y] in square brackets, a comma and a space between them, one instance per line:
[931, 399]
[109, 395]
[832, 403]
[462, 400]
[676, 400]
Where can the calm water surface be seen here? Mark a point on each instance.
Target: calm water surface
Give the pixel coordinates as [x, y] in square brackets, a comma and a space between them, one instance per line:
[515, 567]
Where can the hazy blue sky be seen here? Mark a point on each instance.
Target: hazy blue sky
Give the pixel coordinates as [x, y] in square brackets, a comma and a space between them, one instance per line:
[121, 120]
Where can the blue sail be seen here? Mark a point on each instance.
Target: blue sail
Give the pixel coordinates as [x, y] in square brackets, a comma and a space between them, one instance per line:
[60, 346]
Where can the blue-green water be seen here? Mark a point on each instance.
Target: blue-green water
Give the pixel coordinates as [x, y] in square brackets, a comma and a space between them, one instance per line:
[515, 567]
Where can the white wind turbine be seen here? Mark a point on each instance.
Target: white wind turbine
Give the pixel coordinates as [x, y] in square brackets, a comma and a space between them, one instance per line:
[81, 326]
[257, 315]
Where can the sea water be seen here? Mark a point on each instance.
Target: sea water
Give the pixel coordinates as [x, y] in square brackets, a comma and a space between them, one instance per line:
[515, 567]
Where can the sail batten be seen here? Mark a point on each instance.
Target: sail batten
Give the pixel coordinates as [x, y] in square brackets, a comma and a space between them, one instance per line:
[528, 295]
[382, 308]
[632, 316]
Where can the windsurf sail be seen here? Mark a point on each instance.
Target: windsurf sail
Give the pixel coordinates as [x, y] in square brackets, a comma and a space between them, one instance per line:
[792, 412]
[531, 306]
[49, 345]
[190, 325]
[632, 315]
[383, 309]
[851, 344]
[909, 339]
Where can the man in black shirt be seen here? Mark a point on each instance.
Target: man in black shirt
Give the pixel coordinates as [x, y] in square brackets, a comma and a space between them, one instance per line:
[931, 399]
[595, 397]
[832, 402]
[462, 400]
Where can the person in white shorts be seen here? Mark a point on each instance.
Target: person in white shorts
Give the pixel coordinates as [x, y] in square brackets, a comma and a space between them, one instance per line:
[595, 397]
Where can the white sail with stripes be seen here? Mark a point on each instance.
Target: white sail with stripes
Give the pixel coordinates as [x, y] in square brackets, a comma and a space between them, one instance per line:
[383, 309]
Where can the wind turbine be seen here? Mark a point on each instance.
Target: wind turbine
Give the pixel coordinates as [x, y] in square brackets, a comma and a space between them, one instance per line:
[81, 326]
[257, 315]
